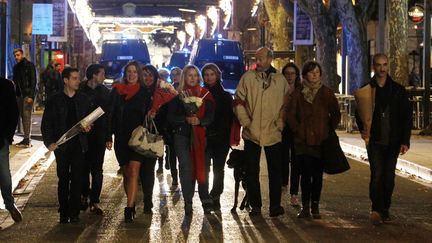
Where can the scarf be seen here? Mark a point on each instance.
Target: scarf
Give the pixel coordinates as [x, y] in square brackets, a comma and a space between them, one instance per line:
[127, 89]
[198, 136]
[310, 90]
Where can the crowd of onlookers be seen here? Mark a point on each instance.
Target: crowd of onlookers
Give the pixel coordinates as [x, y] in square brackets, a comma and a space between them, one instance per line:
[288, 113]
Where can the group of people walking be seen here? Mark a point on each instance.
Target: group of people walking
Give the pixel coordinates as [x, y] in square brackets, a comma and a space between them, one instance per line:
[288, 113]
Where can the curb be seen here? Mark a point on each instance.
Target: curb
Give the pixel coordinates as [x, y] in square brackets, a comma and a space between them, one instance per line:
[402, 165]
[22, 162]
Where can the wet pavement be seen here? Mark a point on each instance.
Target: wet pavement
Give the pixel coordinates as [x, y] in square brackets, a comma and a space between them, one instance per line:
[344, 206]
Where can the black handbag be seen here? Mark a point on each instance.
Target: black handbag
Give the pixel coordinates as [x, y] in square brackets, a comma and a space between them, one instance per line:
[333, 157]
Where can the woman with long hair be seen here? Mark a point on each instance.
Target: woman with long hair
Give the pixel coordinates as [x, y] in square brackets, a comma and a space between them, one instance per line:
[128, 104]
[312, 112]
[292, 74]
[218, 132]
[189, 114]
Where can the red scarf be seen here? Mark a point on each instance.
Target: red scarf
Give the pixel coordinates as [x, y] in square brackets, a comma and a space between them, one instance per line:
[127, 89]
[197, 148]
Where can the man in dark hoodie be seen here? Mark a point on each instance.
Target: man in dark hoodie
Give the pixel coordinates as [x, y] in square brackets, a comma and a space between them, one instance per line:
[8, 123]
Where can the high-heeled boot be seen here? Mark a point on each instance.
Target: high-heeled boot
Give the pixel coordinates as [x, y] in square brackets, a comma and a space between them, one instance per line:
[305, 211]
[129, 214]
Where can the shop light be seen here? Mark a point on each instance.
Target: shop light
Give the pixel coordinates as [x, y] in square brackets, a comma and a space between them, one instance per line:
[213, 15]
[201, 22]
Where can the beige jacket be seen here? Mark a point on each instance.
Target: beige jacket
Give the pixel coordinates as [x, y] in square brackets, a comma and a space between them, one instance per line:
[261, 116]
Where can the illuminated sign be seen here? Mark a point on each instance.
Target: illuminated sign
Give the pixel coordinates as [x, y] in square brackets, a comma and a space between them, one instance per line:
[42, 19]
[416, 14]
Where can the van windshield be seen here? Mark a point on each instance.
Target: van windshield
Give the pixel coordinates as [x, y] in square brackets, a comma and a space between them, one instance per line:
[125, 50]
[219, 50]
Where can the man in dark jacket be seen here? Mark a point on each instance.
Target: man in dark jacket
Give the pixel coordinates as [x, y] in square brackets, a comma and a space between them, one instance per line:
[24, 77]
[8, 123]
[52, 80]
[99, 96]
[389, 136]
[62, 111]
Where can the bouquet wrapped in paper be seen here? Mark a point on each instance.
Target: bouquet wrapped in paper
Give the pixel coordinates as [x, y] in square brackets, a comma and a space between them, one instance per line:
[163, 94]
[191, 103]
[365, 99]
[78, 128]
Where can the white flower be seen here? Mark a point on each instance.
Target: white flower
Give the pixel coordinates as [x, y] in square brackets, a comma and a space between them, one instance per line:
[193, 99]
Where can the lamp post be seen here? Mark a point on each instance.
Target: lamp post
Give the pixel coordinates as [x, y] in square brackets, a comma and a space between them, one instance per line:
[426, 67]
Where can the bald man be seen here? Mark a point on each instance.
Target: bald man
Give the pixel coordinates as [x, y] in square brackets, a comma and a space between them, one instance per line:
[260, 95]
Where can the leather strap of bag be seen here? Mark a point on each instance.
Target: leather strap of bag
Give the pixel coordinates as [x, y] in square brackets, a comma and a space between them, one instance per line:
[150, 125]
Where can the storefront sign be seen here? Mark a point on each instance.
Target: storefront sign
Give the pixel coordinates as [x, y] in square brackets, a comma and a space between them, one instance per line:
[59, 16]
[416, 14]
[303, 30]
[42, 19]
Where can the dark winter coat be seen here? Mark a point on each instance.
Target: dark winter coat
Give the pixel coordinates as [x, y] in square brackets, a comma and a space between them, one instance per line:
[8, 109]
[24, 77]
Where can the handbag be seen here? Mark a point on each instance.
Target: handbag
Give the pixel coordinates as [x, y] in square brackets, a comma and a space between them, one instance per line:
[333, 157]
[146, 140]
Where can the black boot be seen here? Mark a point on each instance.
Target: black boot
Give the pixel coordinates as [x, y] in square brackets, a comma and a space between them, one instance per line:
[315, 210]
[305, 211]
[129, 214]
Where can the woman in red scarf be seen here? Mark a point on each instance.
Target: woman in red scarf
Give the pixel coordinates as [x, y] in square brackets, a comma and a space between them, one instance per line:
[129, 103]
[189, 114]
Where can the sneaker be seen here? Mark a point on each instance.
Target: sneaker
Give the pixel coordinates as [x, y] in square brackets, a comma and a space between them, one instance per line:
[94, 208]
[375, 218]
[294, 200]
[277, 211]
[255, 211]
[15, 214]
[25, 143]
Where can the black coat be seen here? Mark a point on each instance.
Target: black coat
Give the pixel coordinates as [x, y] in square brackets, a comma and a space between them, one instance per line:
[8, 109]
[400, 116]
[124, 116]
[24, 77]
[218, 132]
[54, 123]
[98, 97]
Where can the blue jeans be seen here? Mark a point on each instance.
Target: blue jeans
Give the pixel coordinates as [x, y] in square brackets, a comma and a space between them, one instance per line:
[182, 148]
[5, 176]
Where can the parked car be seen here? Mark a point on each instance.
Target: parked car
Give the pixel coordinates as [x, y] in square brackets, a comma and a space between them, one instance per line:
[117, 53]
[226, 54]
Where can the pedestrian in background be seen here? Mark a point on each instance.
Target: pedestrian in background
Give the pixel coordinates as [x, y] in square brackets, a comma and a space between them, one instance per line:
[62, 111]
[292, 74]
[387, 138]
[24, 77]
[99, 95]
[260, 95]
[189, 120]
[175, 76]
[218, 132]
[51, 79]
[8, 124]
[312, 112]
[129, 102]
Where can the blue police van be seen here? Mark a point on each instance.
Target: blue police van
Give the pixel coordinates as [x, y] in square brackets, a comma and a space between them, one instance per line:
[179, 59]
[226, 54]
[117, 53]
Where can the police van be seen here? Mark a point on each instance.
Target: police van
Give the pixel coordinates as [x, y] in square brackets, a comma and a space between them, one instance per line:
[226, 54]
[117, 53]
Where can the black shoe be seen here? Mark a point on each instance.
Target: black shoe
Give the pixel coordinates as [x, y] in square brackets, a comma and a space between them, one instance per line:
[208, 208]
[385, 215]
[64, 219]
[129, 214]
[15, 214]
[84, 203]
[304, 213]
[148, 210]
[277, 211]
[315, 210]
[74, 219]
[25, 143]
[255, 211]
[94, 208]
